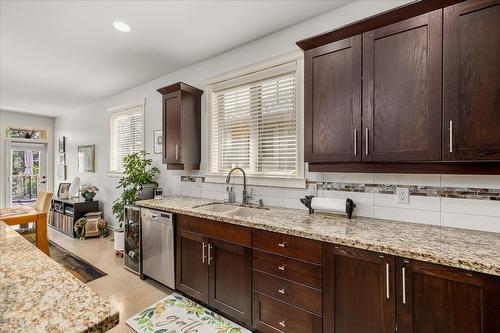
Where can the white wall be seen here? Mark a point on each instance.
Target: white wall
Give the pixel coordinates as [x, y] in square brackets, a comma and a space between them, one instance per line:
[18, 119]
[89, 125]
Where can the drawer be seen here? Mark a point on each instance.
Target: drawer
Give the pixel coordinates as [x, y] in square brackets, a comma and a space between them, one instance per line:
[219, 230]
[287, 291]
[288, 268]
[290, 246]
[270, 315]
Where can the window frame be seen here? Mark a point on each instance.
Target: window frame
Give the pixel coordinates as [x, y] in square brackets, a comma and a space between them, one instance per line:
[123, 109]
[297, 181]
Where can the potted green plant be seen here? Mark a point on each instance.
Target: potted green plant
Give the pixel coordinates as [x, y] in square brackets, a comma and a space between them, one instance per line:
[138, 174]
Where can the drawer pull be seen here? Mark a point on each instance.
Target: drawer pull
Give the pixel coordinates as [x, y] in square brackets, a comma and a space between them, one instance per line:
[282, 267]
[282, 323]
[282, 244]
[282, 291]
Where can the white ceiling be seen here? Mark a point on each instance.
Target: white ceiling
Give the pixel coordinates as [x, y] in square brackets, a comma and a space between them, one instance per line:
[56, 56]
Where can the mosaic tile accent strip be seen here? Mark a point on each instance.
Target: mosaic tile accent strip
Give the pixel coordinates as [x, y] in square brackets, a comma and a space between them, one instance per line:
[192, 179]
[424, 191]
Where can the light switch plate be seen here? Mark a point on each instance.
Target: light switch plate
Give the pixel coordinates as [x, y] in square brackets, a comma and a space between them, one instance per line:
[403, 195]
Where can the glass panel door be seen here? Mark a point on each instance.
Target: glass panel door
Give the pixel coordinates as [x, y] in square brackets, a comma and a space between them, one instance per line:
[27, 173]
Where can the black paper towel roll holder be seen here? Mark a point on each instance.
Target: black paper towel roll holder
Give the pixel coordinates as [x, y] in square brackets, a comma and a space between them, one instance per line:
[349, 205]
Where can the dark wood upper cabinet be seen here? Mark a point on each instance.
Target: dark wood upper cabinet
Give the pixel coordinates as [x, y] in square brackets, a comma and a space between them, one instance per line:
[471, 90]
[181, 124]
[402, 90]
[332, 120]
[358, 291]
[429, 96]
[230, 276]
[433, 299]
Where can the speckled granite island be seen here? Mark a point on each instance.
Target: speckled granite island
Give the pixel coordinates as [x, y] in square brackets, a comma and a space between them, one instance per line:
[467, 249]
[39, 295]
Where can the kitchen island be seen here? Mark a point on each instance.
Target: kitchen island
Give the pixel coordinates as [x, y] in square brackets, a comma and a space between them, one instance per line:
[39, 295]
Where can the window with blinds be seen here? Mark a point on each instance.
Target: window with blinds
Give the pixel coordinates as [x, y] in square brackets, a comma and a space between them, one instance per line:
[126, 135]
[254, 123]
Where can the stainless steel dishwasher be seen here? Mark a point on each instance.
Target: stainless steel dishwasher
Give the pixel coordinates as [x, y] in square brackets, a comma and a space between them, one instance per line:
[158, 259]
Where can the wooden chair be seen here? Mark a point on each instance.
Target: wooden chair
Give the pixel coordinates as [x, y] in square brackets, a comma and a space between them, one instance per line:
[42, 204]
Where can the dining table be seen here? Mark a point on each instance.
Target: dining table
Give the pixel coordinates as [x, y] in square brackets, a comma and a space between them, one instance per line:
[26, 214]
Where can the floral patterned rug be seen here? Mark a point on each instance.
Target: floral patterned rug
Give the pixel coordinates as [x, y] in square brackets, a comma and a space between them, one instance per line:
[178, 314]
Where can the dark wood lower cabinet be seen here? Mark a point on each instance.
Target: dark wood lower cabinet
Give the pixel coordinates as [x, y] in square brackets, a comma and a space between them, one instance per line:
[230, 276]
[213, 271]
[358, 291]
[349, 290]
[271, 315]
[191, 268]
[433, 299]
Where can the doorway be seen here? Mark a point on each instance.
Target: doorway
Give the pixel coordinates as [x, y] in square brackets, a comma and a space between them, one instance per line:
[26, 172]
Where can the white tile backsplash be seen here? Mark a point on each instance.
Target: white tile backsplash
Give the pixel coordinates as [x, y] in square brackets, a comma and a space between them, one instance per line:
[407, 179]
[482, 181]
[408, 215]
[460, 213]
[470, 221]
[348, 177]
[416, 202]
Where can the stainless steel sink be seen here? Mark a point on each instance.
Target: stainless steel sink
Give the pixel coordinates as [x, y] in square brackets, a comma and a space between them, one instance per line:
[231, 209]
[218, 208]
[244, 211]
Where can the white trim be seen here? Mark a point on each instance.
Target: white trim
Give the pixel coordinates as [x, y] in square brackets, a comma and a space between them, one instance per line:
[296, 56]
[4, 141]
[259, 66]
[113, 111]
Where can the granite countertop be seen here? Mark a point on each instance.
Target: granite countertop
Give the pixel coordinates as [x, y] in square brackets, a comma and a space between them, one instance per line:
[468, 249]
[39, 295]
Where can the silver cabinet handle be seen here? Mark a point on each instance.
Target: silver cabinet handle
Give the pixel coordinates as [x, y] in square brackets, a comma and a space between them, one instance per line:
[404, 284]
[210, 254]
[282, 323]
[451, 136]
[282, 244]
[282, 291]
[387, 280]
[203, 257]
[282, 267]
[366, 141]
[355, 142]
[176, 152]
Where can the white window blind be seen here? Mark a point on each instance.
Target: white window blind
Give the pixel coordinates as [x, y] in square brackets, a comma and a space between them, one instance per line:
[126, 135]
[254, 123]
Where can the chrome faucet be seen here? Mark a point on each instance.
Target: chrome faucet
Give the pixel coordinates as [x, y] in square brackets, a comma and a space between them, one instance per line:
[245, 196]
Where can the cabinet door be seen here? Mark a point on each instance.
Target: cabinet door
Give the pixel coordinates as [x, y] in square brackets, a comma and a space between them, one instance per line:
[191, 265]
[471, 81]
[402, 90]
[434, 299]
[172, 128]
[230, 279]
[332, 118]
[358, 291]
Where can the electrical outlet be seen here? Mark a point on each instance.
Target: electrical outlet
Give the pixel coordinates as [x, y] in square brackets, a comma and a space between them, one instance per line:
[403, 195]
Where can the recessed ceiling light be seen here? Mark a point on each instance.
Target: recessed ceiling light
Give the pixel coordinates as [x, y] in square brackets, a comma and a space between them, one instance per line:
[120, 26]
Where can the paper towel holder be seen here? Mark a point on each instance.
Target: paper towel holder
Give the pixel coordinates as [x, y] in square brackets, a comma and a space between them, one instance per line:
[349, 205]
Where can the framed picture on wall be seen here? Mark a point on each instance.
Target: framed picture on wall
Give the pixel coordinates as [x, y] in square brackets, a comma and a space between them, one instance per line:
[62, 144]
[62, 158]
[61, 171]
[157, 141]
[86, 158]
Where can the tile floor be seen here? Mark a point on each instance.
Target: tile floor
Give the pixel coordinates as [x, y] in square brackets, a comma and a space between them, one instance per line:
[123, 289]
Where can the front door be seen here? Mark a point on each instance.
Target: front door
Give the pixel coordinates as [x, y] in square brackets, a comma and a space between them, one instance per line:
[26, 172]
